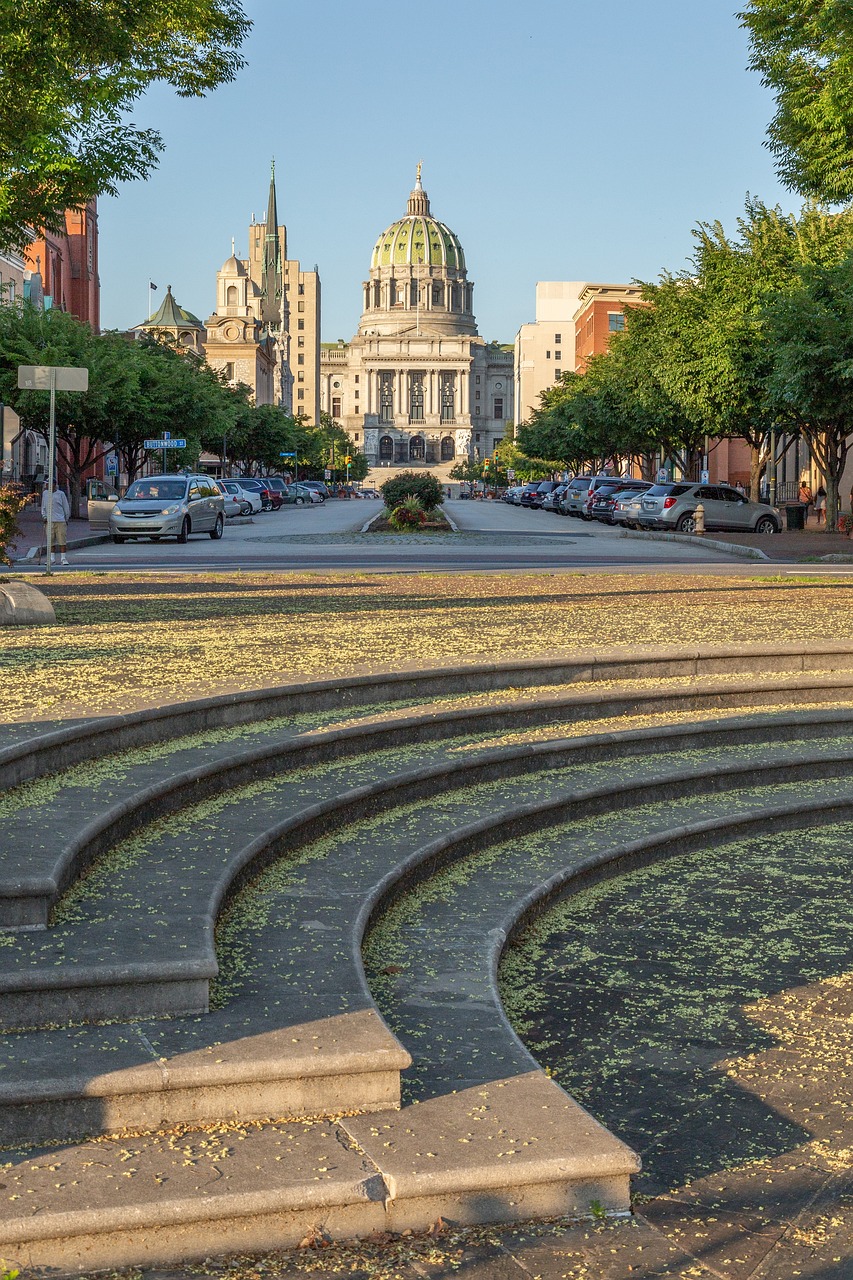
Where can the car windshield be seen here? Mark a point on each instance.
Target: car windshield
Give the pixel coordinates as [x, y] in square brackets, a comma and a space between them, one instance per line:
[156, 490]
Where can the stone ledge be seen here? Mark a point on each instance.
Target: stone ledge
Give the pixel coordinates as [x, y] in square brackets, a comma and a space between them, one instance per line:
[50, 752]
[22, 605]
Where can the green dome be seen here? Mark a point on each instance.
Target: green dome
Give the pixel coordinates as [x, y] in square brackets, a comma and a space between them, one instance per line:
[418, 240]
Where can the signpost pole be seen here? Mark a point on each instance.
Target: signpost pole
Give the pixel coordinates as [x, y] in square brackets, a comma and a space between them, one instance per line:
[51, 477]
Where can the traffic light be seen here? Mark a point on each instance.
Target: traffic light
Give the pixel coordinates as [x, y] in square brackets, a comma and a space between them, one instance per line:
[348, 459]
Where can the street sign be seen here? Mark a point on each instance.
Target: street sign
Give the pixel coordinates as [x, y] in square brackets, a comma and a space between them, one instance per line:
[510, 474]
[112, 466]
[166, 443]
[327, 475]
[37, 377]
[704, 477]
[662, 476]
[287, 455]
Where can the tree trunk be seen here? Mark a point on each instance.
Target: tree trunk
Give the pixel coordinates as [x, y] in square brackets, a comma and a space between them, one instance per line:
[756, 466]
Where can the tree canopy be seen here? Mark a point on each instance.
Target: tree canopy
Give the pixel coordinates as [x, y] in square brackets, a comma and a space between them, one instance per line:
[72, 69]
[803, 50]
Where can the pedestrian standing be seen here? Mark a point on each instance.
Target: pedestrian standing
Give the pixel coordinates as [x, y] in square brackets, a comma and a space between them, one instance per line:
[60, 514]
[820, 505]
[805, 498]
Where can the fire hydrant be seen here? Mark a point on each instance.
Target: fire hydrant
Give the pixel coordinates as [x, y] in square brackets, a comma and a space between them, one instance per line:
[699, 520]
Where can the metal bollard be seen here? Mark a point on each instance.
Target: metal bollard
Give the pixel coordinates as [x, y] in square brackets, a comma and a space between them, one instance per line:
[699, 515]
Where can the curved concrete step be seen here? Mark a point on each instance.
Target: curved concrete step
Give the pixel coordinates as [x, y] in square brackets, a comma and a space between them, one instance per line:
[154, 954]
[35, 872]
[304, 977]
[27, 758]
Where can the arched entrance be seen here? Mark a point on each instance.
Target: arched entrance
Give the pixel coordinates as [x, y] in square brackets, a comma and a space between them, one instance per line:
[448, 449]
[386, 448]
[417, 449]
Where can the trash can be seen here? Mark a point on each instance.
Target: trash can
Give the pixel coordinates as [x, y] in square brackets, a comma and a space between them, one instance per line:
[795, 516]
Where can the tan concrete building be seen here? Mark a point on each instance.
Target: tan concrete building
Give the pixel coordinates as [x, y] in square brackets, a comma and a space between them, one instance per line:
[417, 384]
[545, 348]
[574, 320]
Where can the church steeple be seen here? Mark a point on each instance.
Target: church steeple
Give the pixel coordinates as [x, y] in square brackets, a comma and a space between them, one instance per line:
[271, 269]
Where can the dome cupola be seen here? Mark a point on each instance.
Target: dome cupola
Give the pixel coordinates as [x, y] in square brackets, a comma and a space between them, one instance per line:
[418, 277]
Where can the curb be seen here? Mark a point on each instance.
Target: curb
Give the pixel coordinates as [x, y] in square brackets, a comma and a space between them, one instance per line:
[74, 544]
[690, 540]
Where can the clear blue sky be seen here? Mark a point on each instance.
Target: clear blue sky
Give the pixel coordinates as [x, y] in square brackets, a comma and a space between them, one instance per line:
[561, 140]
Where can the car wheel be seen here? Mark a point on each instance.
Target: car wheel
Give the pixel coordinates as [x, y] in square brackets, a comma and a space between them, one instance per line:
[766, 525]
[300, 502]
[216, 531]
[246, 509]
[116, 537]
[183, 536]
[687, 524]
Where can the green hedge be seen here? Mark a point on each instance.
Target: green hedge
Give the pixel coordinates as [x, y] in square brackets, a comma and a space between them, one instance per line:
[413, 484]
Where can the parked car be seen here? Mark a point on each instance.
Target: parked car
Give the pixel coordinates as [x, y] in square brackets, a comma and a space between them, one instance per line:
[250, 498]
[168, 507]
[370, 493]
[577, 499]
[604, 498]
[509, 495]
[319, 485]
[298, 496]
[627, 507]
[551, 501]
[534, 493]
[234, 505]
[673, 506]
[271, 500]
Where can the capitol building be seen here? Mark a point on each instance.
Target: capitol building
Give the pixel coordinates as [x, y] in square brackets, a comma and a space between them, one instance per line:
[417, 384]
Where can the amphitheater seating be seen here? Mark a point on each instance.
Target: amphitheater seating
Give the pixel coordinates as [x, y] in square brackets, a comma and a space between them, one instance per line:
[193, 1060]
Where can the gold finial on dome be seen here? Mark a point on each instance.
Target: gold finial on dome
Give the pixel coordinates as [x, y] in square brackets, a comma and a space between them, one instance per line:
[418, 200]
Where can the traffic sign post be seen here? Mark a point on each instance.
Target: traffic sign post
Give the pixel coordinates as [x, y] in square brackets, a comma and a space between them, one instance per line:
[291, 454]
[52, 378]
[165, 443]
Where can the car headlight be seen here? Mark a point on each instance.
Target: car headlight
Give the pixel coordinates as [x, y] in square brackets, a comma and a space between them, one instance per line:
[169, 511]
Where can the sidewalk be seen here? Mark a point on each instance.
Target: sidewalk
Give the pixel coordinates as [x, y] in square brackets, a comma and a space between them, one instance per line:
[33, 534]
[813, 542]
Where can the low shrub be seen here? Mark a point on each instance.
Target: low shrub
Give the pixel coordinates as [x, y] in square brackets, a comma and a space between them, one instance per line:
[413, 484]
[12, 503]
[408, 514]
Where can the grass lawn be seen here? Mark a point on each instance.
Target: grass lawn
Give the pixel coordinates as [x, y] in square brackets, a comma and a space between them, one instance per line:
[127, 640]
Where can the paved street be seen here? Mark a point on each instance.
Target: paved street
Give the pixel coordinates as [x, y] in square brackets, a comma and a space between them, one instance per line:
[491, 535]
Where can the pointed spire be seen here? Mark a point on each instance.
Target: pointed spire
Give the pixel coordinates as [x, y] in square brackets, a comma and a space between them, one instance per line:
[233, 248]
[271, 267]
[418, 200]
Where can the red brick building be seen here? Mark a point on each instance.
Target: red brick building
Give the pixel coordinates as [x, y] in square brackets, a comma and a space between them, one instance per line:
[68, 265]
[600, 314]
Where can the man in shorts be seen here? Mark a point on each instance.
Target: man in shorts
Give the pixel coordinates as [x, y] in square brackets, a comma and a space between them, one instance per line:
[60, 515]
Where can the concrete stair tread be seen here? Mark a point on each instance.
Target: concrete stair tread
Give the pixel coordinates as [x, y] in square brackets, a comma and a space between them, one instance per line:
[119, 932]
[477, 1156]
[181, 1054]
[32, 870]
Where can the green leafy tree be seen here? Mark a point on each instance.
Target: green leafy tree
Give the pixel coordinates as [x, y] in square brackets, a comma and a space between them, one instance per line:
[811, 381]
[803, 50]
[85, 422]
[72, 70]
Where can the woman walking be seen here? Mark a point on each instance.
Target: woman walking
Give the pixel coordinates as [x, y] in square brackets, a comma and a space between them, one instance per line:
[820, 505]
